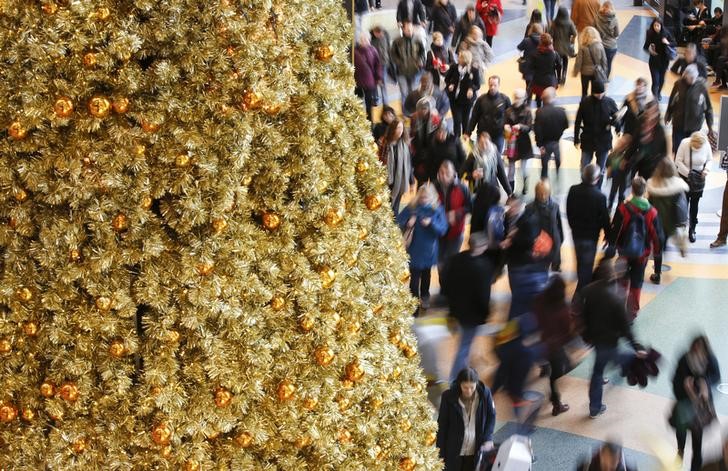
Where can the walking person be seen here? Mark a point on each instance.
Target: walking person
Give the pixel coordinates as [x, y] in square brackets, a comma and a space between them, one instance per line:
[408, 56]
[380, 41]
[635, 232]
[481, 51]
[548, 127]
[444, 146]
[720, 240]
[548, 214]
[691, 160]
[517, 128]
[591, 60]
[465, 422]
[367, 73]
[586, 211]
[584, 13]
[397, 158]
[546, 67]
[424, 218]
[489, 113]
[491, 12]
[462, 83]
[439, 58]
[455, 198]
[593, 127]
[563, 32]
[697, 373]
[659, 45]
[484, 165]
[689, 107]
[444, 17]
[469, 278]
[651, 145]
[462, 28]
[608, 28]
[413, 12]
[528, 47]
[536, 18]
[424, 124]
[667, 194]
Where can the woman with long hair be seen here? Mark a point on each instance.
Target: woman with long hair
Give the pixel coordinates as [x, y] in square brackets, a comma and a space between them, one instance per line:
[590, 58]
[658, 44]
[608, 28]
[563, 32]
[396, 156]
[651, 145]
[485, 165]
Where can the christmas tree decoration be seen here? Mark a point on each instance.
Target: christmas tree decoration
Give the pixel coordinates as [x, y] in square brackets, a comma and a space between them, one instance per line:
[201, 267]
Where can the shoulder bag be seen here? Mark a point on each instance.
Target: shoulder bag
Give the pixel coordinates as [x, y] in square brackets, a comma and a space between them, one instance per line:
[599, 73]
[696, 179]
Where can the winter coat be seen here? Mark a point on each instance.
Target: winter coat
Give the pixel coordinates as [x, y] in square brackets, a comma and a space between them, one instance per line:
[555, 323]
[398, 160]
[451, 427]
[523, 233]
[584, 13]
[361, 6]
[549, 217]
[418, 12]
[608, 29]
[486, 197]
[486, 9]
[423, 248]
[586, 211]
[700, 158]
[546, 68]
[589, 57]
[456, 198]
[662, 59]
[450, 149]
[681, 64]
[367, 69]
[528, 46]
[482, 53]
[562, 32]
[442, 104]
[634, 108]
[408, 56]
[711, 375]
[593, 124]
[549, 125]
[689, 105]
[468, 288]
[646, 155]
[462, 29]
[444, 18]
[522, 116]
[438, 59]
[382, 45]
[668, 198]
[470, 80]
[620, 223]
[491, 163]
[489, 114]
[604, 314]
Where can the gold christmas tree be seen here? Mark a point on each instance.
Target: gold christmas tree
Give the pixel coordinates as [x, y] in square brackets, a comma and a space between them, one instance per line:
[199, 267]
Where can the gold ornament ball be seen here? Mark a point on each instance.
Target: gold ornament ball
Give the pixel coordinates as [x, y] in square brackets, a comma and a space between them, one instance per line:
[24, 294]
[47, 389]
[74, 255]
[103, 13]
[166, 451]
[271, 220]
[405, 425]
[244, 440]
[27, 414]
[155, 391]
[272, 109]
[219, 225]
[306, 324]
[182, 160]
[21, 195]
[310, 403]
[406, 464]
[372, 202]
[363, 233]
[69, 392]
[30, 329]
[121, 105]
[302, 442]
[251, 101]
[205, 269]
[120, 222]
[324, 356]
[376, 402]
[277, 303]
[324, 53]
[8, 412]
[334, 217]
[89, 60]
[344, 436]
[192, 465]
[99, 107]
[344, 403]
[431, 438]
[49, 8]
[161, 434]
[408, 351]
[103, 303]
[5, 346]
[149, 126]
[328, 276]
[79, 446]
[17, 131]
[354, 371]
[223, 397]
[63, 107]
[362, 166]
[146, 202]
[286, 390]
[117, 349]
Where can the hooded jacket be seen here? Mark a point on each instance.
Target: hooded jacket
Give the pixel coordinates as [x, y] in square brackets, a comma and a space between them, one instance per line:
[668, 198]
[588, 57]
[608, 29]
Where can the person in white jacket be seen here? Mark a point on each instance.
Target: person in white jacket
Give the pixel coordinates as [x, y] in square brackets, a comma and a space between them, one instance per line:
[694, 153]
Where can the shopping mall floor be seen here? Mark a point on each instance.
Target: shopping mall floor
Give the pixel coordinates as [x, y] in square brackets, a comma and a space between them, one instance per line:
[692, 297]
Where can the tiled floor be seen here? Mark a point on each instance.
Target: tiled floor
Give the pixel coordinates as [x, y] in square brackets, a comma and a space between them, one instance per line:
[693, 295]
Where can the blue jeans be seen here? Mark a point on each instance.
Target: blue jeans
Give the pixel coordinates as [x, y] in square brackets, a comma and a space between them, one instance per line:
[549, 6]
[610, 57]
[604, 356]
[586, 252]
[467, 334]
[586, 158]
[657, 73]
[499, 142]
[526, 283]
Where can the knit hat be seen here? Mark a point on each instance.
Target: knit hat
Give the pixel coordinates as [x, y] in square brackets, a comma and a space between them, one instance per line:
[597, 87]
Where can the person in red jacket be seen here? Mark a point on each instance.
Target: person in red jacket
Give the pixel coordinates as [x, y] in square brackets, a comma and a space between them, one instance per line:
[622, 237]
[491, 12]
[455, 197]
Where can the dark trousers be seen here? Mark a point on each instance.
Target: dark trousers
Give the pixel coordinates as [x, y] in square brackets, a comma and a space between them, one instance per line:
[619, 186]
[420, 282]
[723, 231]
[551, 148]
[465, 463]
[460, 115]
[634, 278]
[586, 252]
[657, 72]
[585, 81]
[610, 57]
[697, 438]
[559, 362]
[658, 258]
[677, 136]
[693, 202]
[549, 6]
[526, 283]
[564, 66]
[489, 40]
[603, 356]
[370, 101]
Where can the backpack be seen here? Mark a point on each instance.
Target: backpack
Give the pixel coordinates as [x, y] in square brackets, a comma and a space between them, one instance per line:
[634, 237]
[495, 226]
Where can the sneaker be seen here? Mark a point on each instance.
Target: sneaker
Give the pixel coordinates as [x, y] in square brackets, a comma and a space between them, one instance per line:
[559, 409]
[717, 243]
[655, 278]
[602, 410]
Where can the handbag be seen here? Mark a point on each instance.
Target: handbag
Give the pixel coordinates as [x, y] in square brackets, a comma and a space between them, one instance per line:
[696, 179]
[599, 73]
[407, 236]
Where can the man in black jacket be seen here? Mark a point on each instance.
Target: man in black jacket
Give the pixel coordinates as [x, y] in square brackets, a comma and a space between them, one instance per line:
[444, 146]
[470, 275]
[549, 126]
[593, 127]
[605, 321]
[489, 113]
[586, 211]
[689, 105]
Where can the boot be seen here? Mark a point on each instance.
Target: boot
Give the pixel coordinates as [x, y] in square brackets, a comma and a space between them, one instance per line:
[691, 233]
[656, 278]
[559, 408]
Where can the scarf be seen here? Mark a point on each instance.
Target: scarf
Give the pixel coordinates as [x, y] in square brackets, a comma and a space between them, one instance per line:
[399, 167]
[487, 160]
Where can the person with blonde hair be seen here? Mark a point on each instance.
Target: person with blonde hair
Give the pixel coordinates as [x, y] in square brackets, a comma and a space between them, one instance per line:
[591, 60]
[481, 51]
[692, 159]
[423, 223]
[462, 82]
[608, 27]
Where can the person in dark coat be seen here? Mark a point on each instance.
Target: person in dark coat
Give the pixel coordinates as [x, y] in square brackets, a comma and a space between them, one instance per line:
[469, 277]
[465, 422]
[380, 129]
[697, 373]
[462, 27]
[485, 165]
[528, 47]
[455, 198]
[444, 146]
[439, 59]
[407, 54]
[689, 107]
[605, 321]
[367, 72]
[548, 127]
[489, 113]
[546, 67]
[593, 127]
[380, 41]
[547, 211]
[444, 17]
[650, 145]
[657, 42]
[563, 32]
[586, 211]
[487, 196]
[692, 56]
[412, 11]
[518, 123]
[424, 123]
[462, 83]
[427, 89]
